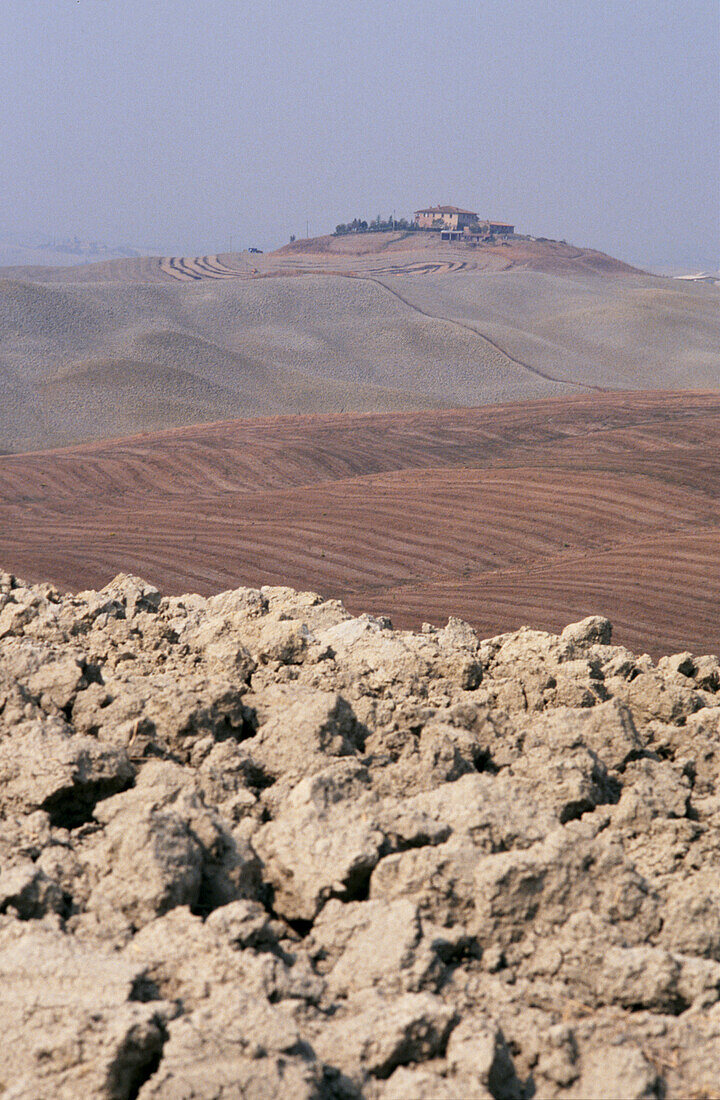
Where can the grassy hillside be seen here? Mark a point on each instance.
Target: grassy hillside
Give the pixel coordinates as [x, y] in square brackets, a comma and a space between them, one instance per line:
[139, 345]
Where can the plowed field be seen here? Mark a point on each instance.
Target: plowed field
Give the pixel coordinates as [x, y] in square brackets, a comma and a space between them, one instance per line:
[531, 513]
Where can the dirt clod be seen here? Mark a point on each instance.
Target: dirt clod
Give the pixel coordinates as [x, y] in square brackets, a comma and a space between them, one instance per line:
[254, 846]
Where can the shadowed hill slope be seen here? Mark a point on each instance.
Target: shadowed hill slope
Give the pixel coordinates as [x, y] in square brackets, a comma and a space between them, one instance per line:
[130, 346]
[540, 512]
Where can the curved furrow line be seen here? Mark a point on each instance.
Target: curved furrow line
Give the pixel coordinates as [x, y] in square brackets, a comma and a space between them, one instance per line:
[168, 266]
[210, 267]
[202, 479]
[202, 265]
[600, 572]
[295, 537]
[186, 268]
[175, 266]
[222, 266]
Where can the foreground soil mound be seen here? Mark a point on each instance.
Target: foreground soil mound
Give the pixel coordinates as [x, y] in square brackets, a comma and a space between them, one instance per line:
[251, 846]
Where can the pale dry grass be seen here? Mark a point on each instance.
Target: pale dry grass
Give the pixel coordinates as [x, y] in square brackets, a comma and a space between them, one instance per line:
[127, 346]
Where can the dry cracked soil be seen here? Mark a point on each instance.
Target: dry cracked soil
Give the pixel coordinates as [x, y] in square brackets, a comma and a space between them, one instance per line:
[252, 846]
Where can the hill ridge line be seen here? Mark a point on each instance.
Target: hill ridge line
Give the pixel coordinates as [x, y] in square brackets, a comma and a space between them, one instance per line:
[483, 336]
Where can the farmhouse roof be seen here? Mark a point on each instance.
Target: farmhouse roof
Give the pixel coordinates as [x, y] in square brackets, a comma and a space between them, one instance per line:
[445, 210]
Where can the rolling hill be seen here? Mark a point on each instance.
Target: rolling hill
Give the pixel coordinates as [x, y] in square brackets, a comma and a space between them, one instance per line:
[388, 322]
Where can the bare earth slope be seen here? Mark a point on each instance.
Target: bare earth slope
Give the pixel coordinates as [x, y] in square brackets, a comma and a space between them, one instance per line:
[254, 847]
[540, 512]
[385, 323]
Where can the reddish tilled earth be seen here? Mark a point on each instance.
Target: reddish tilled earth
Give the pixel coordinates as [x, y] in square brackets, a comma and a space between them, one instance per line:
[536, 513]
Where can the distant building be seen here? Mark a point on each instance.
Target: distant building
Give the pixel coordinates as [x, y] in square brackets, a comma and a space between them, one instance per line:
[455, 223]
[444, 217]
[497, 229]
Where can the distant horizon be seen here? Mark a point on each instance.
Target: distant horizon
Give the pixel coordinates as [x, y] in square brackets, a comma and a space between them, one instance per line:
[664, 269]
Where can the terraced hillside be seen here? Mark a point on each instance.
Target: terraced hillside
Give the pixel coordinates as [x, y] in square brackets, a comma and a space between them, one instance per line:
[140, 345]
[395, 253]
[537, 512]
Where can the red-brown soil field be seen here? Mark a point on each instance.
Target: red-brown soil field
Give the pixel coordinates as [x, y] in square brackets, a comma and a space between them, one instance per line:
[538, 513]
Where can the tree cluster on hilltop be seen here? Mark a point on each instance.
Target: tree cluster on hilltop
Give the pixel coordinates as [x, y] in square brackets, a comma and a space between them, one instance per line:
[378, 225]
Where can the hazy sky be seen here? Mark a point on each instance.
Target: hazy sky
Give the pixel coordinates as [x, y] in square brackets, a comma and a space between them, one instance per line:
[176, 124]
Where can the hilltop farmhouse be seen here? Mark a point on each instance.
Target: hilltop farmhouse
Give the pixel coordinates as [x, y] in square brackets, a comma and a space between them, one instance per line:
[444, 217]
[456, 224]
[451, 222]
